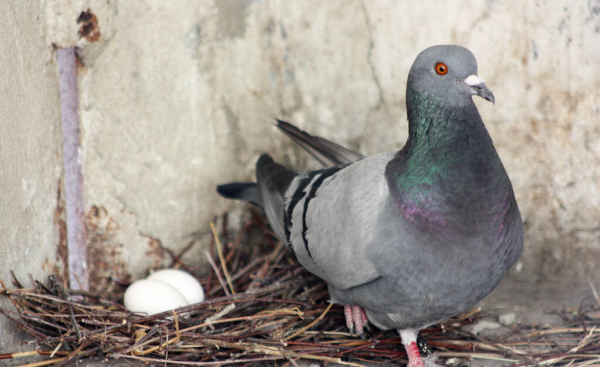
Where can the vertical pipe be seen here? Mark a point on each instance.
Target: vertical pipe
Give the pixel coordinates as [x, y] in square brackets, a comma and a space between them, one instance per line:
[76, 231]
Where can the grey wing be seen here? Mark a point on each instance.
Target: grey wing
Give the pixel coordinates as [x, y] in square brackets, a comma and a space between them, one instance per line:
[331, 216]
[326, 152]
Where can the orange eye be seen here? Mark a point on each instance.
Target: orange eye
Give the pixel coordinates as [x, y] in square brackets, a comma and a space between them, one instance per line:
[441, 68]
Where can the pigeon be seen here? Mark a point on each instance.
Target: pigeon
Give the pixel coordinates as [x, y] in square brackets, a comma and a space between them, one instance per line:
[409, 238]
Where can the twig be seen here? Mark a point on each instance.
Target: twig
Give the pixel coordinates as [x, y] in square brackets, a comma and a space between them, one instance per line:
[31, 353]
[43, 363]
[209, 320]
[488, 356]
[583, 342]
[274, 351]
[311, 324]
[220, 251]
[190, 363]
[217, 273]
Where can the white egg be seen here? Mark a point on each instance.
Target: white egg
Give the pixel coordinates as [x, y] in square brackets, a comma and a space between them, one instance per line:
[151, 297]
[183, 282]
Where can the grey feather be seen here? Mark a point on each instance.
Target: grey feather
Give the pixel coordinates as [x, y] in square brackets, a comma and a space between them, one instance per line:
[326, 152]
[338, 246]
[273, 180]
[245, 191]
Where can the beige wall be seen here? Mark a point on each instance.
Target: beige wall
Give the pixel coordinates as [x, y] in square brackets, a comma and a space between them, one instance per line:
[179, 96]
[31, 211]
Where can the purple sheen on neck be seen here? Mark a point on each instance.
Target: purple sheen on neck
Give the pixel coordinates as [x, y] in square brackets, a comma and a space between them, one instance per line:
[421, 212]
[427, 212]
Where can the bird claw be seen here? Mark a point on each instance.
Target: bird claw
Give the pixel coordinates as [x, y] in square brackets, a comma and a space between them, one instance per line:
[351, 329]
[356, 320]
[368, 327]
[424, 347]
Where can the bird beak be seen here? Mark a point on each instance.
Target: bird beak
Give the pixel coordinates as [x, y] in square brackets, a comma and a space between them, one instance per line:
[479, 88]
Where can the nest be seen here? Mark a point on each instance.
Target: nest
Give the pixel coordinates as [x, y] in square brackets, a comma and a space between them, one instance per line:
[263, 307]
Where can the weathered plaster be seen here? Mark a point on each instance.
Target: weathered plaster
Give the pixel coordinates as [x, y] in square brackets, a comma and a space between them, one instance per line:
[31, 217]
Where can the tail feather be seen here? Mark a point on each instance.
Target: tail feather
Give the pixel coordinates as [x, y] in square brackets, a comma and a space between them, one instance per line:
[273, 181]
[245, 191]
[326, 152]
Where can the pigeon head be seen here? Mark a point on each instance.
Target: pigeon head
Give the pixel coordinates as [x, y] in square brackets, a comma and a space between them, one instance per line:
[448, 74]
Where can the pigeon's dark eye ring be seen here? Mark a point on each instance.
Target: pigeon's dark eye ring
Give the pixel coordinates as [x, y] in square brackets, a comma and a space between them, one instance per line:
[441, 68]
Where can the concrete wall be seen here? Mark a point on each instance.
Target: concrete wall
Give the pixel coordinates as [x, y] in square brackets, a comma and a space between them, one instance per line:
[32, 232]
[179, 96]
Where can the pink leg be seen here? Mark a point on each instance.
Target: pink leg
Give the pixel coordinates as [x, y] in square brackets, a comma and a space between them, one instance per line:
[356, 319]
[349, 318]
[365, 319]
[409, 339]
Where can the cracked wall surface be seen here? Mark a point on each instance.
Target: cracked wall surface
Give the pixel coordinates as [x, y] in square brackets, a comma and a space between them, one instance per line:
[176, 97]
[32, 231]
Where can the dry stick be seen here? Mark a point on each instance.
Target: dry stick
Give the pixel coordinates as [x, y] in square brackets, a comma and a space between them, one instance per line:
[583, 342]
[595, 362]
[217, 272]
[43, 363]
[23, 325]
[293, 361]
[552, 361]
[310, 325]
[176, 260]
[219, 315]
[523, 357]
[32, 353]
[253, 317]
[209, 287]
[56, 350]
[485, 346]
[221, 300]
[559, 331]
[142, 341]
[39, 320]
[273, 351]
[55, 360]
[220, 251]
[158, 347]
[7, 293]
[187, 330]
[146, 360]
[251, 348]
[260, 274]
[177, 337]
[246, 268]
[75, 353]
[493, 357]
[224, 220]
[50, 298]
[238, 241]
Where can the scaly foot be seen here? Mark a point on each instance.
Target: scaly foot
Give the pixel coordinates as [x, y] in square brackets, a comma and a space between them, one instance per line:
[356, 320]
